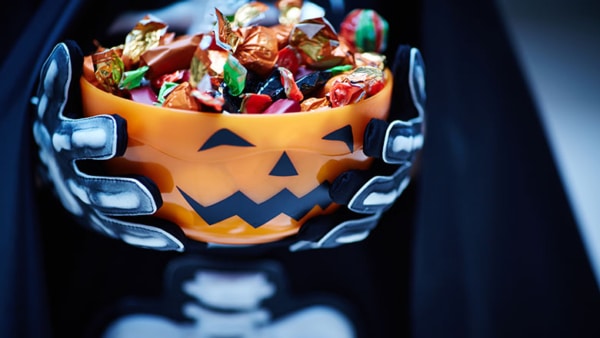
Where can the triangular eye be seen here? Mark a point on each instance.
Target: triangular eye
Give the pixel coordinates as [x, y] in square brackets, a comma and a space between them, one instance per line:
[343, 134]
[225, 137]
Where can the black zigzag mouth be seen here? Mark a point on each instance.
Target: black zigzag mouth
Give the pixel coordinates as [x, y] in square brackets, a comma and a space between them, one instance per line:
[257, 214]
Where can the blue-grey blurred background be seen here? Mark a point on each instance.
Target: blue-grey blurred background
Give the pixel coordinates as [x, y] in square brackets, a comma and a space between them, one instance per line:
[558, 45]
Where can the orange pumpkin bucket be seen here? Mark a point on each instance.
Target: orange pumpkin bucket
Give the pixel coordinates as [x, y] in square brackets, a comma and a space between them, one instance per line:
[240, 178]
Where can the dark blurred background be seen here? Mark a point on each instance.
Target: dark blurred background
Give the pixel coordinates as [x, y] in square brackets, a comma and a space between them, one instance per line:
[557, 43]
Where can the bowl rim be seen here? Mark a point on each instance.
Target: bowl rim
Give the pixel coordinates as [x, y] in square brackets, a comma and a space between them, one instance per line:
[389, 80]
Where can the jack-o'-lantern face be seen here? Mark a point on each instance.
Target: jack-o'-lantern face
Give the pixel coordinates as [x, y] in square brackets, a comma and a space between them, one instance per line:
[240, 178]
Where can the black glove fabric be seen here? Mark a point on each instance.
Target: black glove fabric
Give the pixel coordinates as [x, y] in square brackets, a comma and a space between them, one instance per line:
[65, 142]
[396, 143]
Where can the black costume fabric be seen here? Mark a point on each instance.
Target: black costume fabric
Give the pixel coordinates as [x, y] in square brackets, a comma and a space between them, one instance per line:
[481, 244]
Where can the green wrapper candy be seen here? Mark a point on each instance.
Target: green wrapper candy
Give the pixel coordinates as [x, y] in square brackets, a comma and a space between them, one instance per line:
[234, 75]
[133, 78]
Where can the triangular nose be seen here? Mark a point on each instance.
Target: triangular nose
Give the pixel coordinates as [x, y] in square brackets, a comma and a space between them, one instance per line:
[284, 167]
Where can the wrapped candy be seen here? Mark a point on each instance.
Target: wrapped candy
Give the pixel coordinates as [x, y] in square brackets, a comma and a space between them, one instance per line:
[170, 57]
[290, 87]
[234, 75]
[355, 85]
[289, 11]
[209, 100]
[282, 106]
[289, 58]
[143, 95]
[144, 36]
[108, 69]
[315, 103]
[282, 33]
[254, 46]
[370, 59]
[318, 43]
[272, 86]
[180, 98]
[258, 49]
[365, 31]
[133, 78]
[254, 103]
[250, 13]
[176, 76]
[244, 67]
[344, 93]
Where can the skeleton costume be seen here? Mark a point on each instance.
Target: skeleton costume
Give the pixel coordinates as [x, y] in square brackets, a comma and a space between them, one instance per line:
[460, 229]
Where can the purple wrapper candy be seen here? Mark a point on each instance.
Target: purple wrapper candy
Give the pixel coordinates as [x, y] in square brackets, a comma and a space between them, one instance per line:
[143, 95]
[283, 106]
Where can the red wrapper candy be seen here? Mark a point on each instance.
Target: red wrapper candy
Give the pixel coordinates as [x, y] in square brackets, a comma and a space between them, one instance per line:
[289, 85]
[365, 31]
[177, 76]
[210, 101]
[369, 78]
[289, 58]
[342, 94]
[254, 103]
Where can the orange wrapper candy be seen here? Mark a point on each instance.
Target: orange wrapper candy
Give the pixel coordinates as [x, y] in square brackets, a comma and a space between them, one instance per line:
[170, 57]
[255, 47]
[180, 98]
[228, 38]
[315, 103]
[258, 51]
[318, 43]
[282, 32]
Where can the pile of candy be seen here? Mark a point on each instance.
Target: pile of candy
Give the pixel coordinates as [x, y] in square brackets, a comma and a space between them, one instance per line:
[245, 67]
